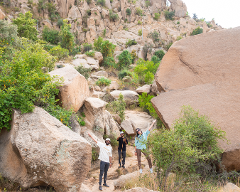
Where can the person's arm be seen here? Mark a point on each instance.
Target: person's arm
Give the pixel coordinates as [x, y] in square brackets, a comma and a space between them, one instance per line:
[110, 160]
[118, 138]
[151, 125]
[92, 137]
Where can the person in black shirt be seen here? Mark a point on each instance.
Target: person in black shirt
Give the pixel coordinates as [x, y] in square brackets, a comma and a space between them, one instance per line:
[122, 149]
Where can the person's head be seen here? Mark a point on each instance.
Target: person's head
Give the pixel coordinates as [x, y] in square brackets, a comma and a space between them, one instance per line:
[121, 133]
[107, 141]
[139, 131]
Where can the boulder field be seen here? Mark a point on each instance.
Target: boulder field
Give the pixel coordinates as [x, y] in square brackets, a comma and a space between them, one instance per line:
[203, 71]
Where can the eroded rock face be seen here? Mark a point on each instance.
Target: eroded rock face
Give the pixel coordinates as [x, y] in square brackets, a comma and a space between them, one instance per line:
[179, 7]
[75, 88]
[40, 149]
[2, 15]
[205, 77]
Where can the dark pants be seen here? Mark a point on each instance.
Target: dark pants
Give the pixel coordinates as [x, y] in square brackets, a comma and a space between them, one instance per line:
[139, 151]
[121, 154]
[103, 169]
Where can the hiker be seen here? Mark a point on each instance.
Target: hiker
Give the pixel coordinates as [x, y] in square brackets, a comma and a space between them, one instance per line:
[140, 146]
[105, 157]
[122, 149]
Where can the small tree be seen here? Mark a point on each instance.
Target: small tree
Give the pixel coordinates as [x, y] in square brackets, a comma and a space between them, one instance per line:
[124, 60]
[155, 36]
[67, 38]
[113, 16]
[26, 26]
[195, 16]
[156, 16]
[159, 54]
[169, 15]
[128, 11]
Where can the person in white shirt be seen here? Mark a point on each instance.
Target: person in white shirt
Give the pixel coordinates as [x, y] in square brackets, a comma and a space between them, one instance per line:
[105, 157]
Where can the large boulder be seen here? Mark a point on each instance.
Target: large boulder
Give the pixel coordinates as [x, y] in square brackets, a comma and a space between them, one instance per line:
[129, 96]
[39, 150]
[203, 71]
[97, 119]
[74, 89]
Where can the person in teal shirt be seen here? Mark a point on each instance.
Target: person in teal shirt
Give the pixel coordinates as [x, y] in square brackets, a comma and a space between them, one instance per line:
[140, 146]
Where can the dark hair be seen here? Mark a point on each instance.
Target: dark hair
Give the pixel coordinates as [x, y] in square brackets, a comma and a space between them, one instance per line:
[137, 131]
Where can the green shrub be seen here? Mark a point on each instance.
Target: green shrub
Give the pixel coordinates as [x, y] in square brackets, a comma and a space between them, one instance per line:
[124, 60]
[133, 55]
[139, 22]
[76, 50]
[48, 47]
[103, 82]
[95, 154]
[52, 11]
[140, 32]
[168, 45]
[190, 147]
[118, 107]
[105, 47]
[23, 83]
[89, 2]
[104, 32]
[147, 48]
[169, 15]
[128, 11]
[90, 53]
[26, 26]
[109, 62]
[87, 47]
[59, 52]
[113, 16]
[197, 31]
[159, 54]
[179, 38]
[50, 35]
[139, 11]
[209, 24]
[147, 3]
[155, 36]
[142, 69]
[124, 73]
[155, 59]
[101, 2]
[131, 42]
[83, 71]
[156, 16]
[60, 22]
[67, 38]
[178, 22]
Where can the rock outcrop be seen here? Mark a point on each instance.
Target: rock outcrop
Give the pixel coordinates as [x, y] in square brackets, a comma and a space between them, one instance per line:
[39, 150]
[74, 89]
[179, 7]
[2, 15]
[203, 71]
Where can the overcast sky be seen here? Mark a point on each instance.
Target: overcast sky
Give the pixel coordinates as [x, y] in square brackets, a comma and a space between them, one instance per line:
[225, 12]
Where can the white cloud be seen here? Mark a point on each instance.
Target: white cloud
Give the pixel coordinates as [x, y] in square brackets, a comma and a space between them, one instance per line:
[225, 12]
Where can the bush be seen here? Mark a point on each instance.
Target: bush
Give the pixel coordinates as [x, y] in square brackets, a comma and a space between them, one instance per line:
[139, 11]
[156, 16]
[168, 45]
[118, 107]
[139, 22]
[159, 54]
[95, 154]
[90, 53]
[124, 73]
[179, 38]
[154, 36]
[109, 62]
[67, 38]
[140, 32]
[190, 147]
[76, 50]
[103, 82]
[89, 2]
[59, 52]
[51, 35]
[133, 55]
[124, 60]
[142, 69]
[209, 24]
[87, 47]
[147, 48]
[197, 31]
[169, 15]
[60, 22]
[113, 16]
[147, 3]
[101, 2]
[131, 42]
[83, 71]
[23, 83]
[105, 47]
[155, 59]
[128, 11]
[26, 26]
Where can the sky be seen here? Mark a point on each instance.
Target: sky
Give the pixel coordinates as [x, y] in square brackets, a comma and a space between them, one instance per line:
[225, 12]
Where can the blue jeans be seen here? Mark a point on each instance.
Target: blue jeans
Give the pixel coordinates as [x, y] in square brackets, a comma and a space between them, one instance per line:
[103, 169]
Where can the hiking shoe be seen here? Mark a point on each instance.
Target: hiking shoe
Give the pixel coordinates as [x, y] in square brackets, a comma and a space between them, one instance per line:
[119, 166]
[123, 166]
[105, 184]
[100, 187]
